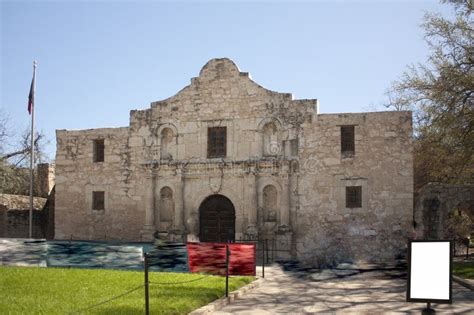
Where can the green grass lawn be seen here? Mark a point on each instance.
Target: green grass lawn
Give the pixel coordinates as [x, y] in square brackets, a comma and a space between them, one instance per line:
[63, 291]
[464, 269]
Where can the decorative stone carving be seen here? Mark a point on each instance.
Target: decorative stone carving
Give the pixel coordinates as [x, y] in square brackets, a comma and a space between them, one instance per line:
[251, 233]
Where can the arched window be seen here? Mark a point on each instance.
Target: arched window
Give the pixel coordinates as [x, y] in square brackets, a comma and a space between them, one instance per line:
[166, 144]
[271, 143]
[270, 197]
[166, 205]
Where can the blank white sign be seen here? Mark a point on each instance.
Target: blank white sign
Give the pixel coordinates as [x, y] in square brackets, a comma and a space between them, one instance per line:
[430, 270]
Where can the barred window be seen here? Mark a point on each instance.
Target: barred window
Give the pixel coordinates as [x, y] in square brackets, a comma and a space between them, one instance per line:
[354, 197]
[98, 200]
[216, 142]
[347, 140]
[99, 148]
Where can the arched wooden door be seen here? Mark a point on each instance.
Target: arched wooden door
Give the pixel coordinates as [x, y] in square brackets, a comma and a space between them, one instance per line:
[217, 219]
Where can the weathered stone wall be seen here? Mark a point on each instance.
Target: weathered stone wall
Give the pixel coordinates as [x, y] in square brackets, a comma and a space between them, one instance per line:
[44, 179]
[14, 216]
[77, 176]
[283, 172]
[382, 165]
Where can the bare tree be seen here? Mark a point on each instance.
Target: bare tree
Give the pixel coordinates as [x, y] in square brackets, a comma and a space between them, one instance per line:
[21, 154]
[15, 153]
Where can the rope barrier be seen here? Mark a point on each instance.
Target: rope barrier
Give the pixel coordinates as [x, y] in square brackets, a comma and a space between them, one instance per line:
[106, 301]
[181, 282]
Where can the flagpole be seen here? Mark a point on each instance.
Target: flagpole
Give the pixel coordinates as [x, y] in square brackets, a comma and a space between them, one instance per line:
[32, 155]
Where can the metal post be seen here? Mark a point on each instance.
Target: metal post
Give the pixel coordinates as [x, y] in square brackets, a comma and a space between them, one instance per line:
[273, 249]
[266, 249]
[256, 257]
[227, 254]
[147, 298]
[263, 258]
[32, 154]
[428, 310]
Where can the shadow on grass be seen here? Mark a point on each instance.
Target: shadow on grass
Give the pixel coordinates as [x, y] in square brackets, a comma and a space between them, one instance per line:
[119, 309]
[183, 300]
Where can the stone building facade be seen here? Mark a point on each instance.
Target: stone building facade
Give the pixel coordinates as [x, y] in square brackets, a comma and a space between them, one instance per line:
[226, 159]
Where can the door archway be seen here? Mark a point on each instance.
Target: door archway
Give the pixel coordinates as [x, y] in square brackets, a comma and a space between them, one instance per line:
[216, 219]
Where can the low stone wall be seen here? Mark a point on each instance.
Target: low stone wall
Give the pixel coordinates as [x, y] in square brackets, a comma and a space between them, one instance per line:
[14, 216]
[16, 224]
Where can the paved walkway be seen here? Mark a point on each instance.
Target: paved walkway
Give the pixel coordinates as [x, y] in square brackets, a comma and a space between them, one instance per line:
[345, 291]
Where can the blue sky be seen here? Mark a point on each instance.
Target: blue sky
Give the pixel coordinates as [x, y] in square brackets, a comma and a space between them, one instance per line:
[100, 59]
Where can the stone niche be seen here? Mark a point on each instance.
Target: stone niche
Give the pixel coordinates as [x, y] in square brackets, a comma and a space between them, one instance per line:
[166, 209]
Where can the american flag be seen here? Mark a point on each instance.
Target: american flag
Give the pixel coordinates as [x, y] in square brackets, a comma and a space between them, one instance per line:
[31, 97]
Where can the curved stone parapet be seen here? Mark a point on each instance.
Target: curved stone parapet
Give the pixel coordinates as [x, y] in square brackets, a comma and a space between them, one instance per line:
[219, 68]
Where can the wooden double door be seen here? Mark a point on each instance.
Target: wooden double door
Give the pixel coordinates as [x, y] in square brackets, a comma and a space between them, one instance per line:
[217, 220]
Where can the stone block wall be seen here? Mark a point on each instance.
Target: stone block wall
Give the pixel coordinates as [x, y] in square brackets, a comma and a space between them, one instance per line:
[382, 165]
[14, 216]
[78, 176]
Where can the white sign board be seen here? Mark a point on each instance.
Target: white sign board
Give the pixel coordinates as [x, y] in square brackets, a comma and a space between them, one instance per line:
[429, 271]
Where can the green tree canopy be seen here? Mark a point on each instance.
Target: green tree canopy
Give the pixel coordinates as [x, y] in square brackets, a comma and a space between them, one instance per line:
[440, 92]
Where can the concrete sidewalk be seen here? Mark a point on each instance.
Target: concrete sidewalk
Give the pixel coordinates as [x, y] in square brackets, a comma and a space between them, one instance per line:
[345, 291]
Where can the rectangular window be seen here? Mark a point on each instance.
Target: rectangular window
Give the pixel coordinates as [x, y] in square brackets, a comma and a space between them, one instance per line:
[354, 197]
[216, 142]
[99, 150]
[98, 200]
[347, 140]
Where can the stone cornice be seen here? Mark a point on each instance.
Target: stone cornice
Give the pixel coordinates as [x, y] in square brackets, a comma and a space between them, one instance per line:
[211, 166]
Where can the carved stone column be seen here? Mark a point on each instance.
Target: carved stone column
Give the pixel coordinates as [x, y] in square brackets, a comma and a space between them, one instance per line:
[285, 203]
[149, 227]
[284, 235]
[259, 198]
[178, 224]
[252, 229]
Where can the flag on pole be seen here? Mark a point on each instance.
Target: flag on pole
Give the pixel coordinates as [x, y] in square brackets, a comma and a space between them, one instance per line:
[31, 110]
[31, 97]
